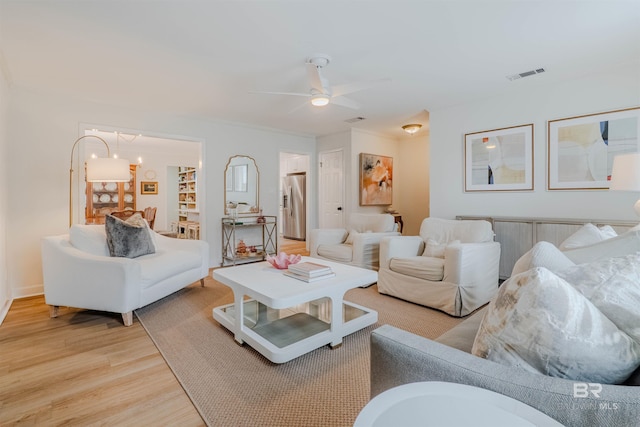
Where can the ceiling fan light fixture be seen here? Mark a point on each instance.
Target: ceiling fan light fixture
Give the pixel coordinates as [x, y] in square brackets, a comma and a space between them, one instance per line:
[412, 128]
[319, 100]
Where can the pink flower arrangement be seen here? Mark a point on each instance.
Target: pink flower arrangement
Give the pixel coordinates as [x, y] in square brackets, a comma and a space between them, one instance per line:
[282, 260]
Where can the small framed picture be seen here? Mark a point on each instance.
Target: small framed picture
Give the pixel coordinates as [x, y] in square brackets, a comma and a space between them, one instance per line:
[149, 187]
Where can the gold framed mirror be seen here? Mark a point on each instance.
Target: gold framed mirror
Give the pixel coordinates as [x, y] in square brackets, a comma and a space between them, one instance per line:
[241, 186]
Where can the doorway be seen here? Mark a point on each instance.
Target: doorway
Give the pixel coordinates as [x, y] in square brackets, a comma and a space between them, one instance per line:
[332, 189]
[294, 191]
[154, 157]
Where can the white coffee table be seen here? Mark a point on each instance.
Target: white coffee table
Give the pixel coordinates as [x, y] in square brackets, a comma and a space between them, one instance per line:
[284, 318]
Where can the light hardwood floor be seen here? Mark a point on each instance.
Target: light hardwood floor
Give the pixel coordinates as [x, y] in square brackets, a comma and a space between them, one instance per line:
[86, 368]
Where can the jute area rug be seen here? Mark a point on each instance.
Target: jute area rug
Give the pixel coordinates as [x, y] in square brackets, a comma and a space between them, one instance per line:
[234, 385]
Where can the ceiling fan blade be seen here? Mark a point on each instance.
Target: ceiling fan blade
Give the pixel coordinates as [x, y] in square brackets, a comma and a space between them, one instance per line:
[345, 89]
[315, 79]
[283, 93]
[345, 102]
[298, 107]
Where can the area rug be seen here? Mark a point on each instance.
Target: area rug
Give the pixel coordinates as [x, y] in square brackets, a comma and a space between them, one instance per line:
[234, 385]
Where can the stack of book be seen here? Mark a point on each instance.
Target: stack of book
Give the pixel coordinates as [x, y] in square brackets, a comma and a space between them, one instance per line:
[309, 271]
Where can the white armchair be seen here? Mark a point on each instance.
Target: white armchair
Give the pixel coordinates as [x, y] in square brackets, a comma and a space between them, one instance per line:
[451, 266]
[358, 244]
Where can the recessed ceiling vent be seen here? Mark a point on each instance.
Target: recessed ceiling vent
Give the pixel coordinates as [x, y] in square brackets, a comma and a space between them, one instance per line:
[526, 74]
[355, 119]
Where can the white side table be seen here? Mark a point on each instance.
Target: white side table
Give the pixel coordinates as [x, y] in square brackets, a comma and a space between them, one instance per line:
[435, 403]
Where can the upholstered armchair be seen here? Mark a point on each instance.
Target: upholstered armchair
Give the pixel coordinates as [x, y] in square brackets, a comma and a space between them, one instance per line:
[451, 266]
[358, 244]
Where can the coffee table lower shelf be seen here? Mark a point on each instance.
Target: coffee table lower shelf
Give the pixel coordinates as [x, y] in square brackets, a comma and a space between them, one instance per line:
[283, 335]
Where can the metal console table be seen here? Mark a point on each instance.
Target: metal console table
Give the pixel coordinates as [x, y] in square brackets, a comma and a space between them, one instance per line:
[262, 235]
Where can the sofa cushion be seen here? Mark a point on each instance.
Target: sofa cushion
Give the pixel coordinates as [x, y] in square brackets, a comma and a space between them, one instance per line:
[542, 254]
[372, 223]
[342, 252]
[164, 264]
[613, 286]
[422, 267]
[448, 230]
[624, 244]
[91, 239]
[131, 238]
[541, 323]
[462, 335]
[587, 234]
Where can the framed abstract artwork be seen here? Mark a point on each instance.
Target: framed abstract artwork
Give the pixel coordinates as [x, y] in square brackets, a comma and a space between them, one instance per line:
[581, 149]
[499, 159]
[376, 180]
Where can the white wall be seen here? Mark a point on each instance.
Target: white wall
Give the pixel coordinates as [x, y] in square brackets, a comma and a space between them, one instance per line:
[42, 129]
[410, 169]
[5, 291]
[412, 174]
[529, 102]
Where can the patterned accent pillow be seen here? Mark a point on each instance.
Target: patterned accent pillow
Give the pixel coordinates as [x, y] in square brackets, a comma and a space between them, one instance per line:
[612, 285]
[131, 238]
[541, 323]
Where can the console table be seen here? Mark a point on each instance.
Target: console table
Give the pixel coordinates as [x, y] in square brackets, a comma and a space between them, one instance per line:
[262, 235]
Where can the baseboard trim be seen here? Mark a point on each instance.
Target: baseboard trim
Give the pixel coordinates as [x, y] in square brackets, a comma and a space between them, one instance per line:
[30, 291]
[5, 310]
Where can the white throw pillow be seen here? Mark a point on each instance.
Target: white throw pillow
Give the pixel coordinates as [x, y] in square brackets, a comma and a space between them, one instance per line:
[587, 235]
[436, 250]
[541, 323]
[350, 237]
[542, 254]
[612, 285]
[89, 238]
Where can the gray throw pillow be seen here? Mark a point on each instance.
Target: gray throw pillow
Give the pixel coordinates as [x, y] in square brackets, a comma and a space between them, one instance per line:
[130, 238]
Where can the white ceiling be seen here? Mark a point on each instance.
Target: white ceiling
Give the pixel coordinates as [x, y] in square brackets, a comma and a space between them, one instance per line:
[202, 58]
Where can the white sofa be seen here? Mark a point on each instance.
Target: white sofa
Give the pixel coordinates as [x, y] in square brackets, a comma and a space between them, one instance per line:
[358, 244]
[79, 272]
[451, 266]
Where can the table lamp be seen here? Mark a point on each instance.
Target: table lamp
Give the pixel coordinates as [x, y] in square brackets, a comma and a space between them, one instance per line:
[625, 175]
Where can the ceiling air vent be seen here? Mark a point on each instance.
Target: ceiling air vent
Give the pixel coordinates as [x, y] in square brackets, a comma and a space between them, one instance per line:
[526, 74]
[355, 119]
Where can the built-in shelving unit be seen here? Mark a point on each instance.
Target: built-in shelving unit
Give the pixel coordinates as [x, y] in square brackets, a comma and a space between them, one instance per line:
[187, 192]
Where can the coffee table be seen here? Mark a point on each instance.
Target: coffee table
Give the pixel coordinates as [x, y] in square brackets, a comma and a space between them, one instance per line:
[284, 318]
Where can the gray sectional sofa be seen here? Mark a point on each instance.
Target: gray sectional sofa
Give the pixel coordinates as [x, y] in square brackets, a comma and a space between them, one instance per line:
[400, 357]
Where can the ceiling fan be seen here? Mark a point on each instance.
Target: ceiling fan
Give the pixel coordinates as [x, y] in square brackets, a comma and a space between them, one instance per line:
[321, 93]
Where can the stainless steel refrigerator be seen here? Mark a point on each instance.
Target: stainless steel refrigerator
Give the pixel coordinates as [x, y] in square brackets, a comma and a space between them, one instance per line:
[294, 217]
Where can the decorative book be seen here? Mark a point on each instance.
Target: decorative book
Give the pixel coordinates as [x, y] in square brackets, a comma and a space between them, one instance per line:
[309, 279]
[309, 269]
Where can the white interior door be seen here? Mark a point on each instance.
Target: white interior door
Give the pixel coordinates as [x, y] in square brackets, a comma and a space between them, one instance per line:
[331, 189]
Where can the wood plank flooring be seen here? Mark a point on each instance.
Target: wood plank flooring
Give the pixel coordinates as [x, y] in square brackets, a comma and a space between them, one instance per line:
[86, 368]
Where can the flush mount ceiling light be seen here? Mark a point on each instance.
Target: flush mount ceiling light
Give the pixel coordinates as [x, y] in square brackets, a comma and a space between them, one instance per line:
[319, 100]
[412, 128]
